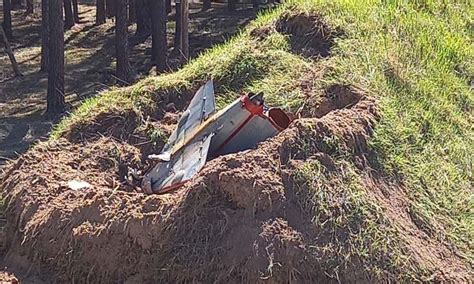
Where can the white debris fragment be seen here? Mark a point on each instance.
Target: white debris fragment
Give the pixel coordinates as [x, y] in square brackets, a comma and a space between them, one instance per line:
[78, 184]
[164, 157]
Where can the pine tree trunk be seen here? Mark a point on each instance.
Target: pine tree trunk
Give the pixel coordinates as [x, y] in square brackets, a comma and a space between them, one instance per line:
[121, 43]
[206, 4]
[16, 4]
[68, 16]
[9, 51]
[168, 7]
[44, 35]
[29, 7]
[184, 41]
[132, 15]
[100, 12]
[255, 3]
[55, 98]
[159, 42]
[231, 5]
[143, 20]
[110, 7]
[75, 11]
[7, 18]
[177, 31]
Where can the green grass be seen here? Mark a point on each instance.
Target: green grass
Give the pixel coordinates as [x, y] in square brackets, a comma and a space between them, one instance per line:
[242, 64]
[411, 60]
[415, 57]
[350, 226]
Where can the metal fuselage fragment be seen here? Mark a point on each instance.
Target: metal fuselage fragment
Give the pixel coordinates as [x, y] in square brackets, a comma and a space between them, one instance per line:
[202, 135]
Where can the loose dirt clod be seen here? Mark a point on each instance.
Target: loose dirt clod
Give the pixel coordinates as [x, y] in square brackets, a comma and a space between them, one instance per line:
[6, 277]
[333, 98]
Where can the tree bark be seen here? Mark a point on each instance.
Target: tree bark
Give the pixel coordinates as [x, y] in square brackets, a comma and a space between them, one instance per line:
[100, 12]
[177, 31]
[55, 98]
[231, 5]
[168, 7]
[121, 43]
[17, 4]
[110, 7]
[132, 15]
[159, 42]
[184, 41]
[44, 35]
[7, 18]
[206, 4]
[75, 11]
[29, 7]
[143, 20]
[255, 4]
[10, 53]
[68, 15]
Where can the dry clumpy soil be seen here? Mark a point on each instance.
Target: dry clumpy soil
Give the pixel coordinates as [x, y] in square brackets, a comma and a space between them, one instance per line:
[238, 221]
[6, 277]
[309, 35]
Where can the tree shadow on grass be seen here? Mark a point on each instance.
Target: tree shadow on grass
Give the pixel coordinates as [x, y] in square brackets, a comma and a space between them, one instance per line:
[17, 134]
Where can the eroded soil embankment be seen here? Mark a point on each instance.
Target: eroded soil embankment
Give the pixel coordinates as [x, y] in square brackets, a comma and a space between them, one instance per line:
[240, 219]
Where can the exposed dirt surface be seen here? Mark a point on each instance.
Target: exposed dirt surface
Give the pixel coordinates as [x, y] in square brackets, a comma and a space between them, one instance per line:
[239, 220]
[89, 69]
[424, 247]
[309, 36]
[6, 277]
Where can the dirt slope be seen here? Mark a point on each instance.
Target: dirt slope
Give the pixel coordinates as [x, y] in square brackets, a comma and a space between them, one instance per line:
[242, 219]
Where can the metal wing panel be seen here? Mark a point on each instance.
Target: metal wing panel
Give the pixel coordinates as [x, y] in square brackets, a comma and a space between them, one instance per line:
[195, 156]
[202, 105]
[205, 94]
[183, 166]
[227, 123]
[256, 130]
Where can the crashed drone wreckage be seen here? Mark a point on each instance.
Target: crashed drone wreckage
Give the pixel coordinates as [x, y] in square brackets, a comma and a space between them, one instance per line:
[203, 134]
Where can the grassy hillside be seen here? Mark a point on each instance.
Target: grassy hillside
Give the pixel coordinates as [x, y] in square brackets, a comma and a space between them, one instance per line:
[414, 57]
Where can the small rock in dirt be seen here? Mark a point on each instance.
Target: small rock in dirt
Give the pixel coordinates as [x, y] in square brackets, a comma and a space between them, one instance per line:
[78, 184]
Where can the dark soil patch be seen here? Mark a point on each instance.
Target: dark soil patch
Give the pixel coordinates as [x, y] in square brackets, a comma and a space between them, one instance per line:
[107, 124]
[336, 97]
[309, 35]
